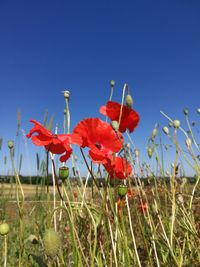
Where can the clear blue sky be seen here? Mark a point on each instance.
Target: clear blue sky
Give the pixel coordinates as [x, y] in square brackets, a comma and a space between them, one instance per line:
[46, 46]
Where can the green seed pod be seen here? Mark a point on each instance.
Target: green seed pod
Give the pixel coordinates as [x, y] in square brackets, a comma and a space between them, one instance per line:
[185, 111]
[115, 125]
[129, 101]
[112, 83]
[149, 152]
[154, 133]
[63, 173]
[10, 144]
[166, 130]
[52, 242]
[176, 124]
[4, 229]
[122, 190]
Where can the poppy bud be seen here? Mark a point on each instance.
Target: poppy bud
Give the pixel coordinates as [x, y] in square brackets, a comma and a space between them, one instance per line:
[63, 173]
[66, 94]
[115, 125]
[176, 124]
[129, 101]
[150, 152]
[166, 130]
[188, 142]
[122, 190]
[4, 229]
[154, 133]
[52, 242]
[185, 111]
[112, 83]
[10, 144]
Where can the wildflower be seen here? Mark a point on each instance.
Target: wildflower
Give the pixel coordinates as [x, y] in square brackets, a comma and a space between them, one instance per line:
[143, 206]
[75, 194]
[55, 143]
[131, 193]
[120, 203]
[129, 117]
[118, 167]
[99, 136]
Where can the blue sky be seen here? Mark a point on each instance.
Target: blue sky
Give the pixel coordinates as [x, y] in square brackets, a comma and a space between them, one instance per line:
[47, 46]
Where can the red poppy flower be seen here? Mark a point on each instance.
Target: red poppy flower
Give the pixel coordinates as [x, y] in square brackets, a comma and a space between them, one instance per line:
[129, 119]
[118, 167]
[99, 137]
[55, 143]
[131, 193]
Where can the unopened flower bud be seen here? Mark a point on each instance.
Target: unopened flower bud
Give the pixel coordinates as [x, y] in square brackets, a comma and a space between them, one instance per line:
[185, 111]
[66, 94]
[52, 242]
[112, 83]
[166, 130]
[115, 125]
[4, 229]
[129, 101]
[170, 124]
[188, 142]
[150, 152]
[154, 133]
[176, 124]
[136, 153]
[10, 144]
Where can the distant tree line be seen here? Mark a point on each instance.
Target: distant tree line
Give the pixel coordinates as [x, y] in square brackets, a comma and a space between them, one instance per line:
[149, 181]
